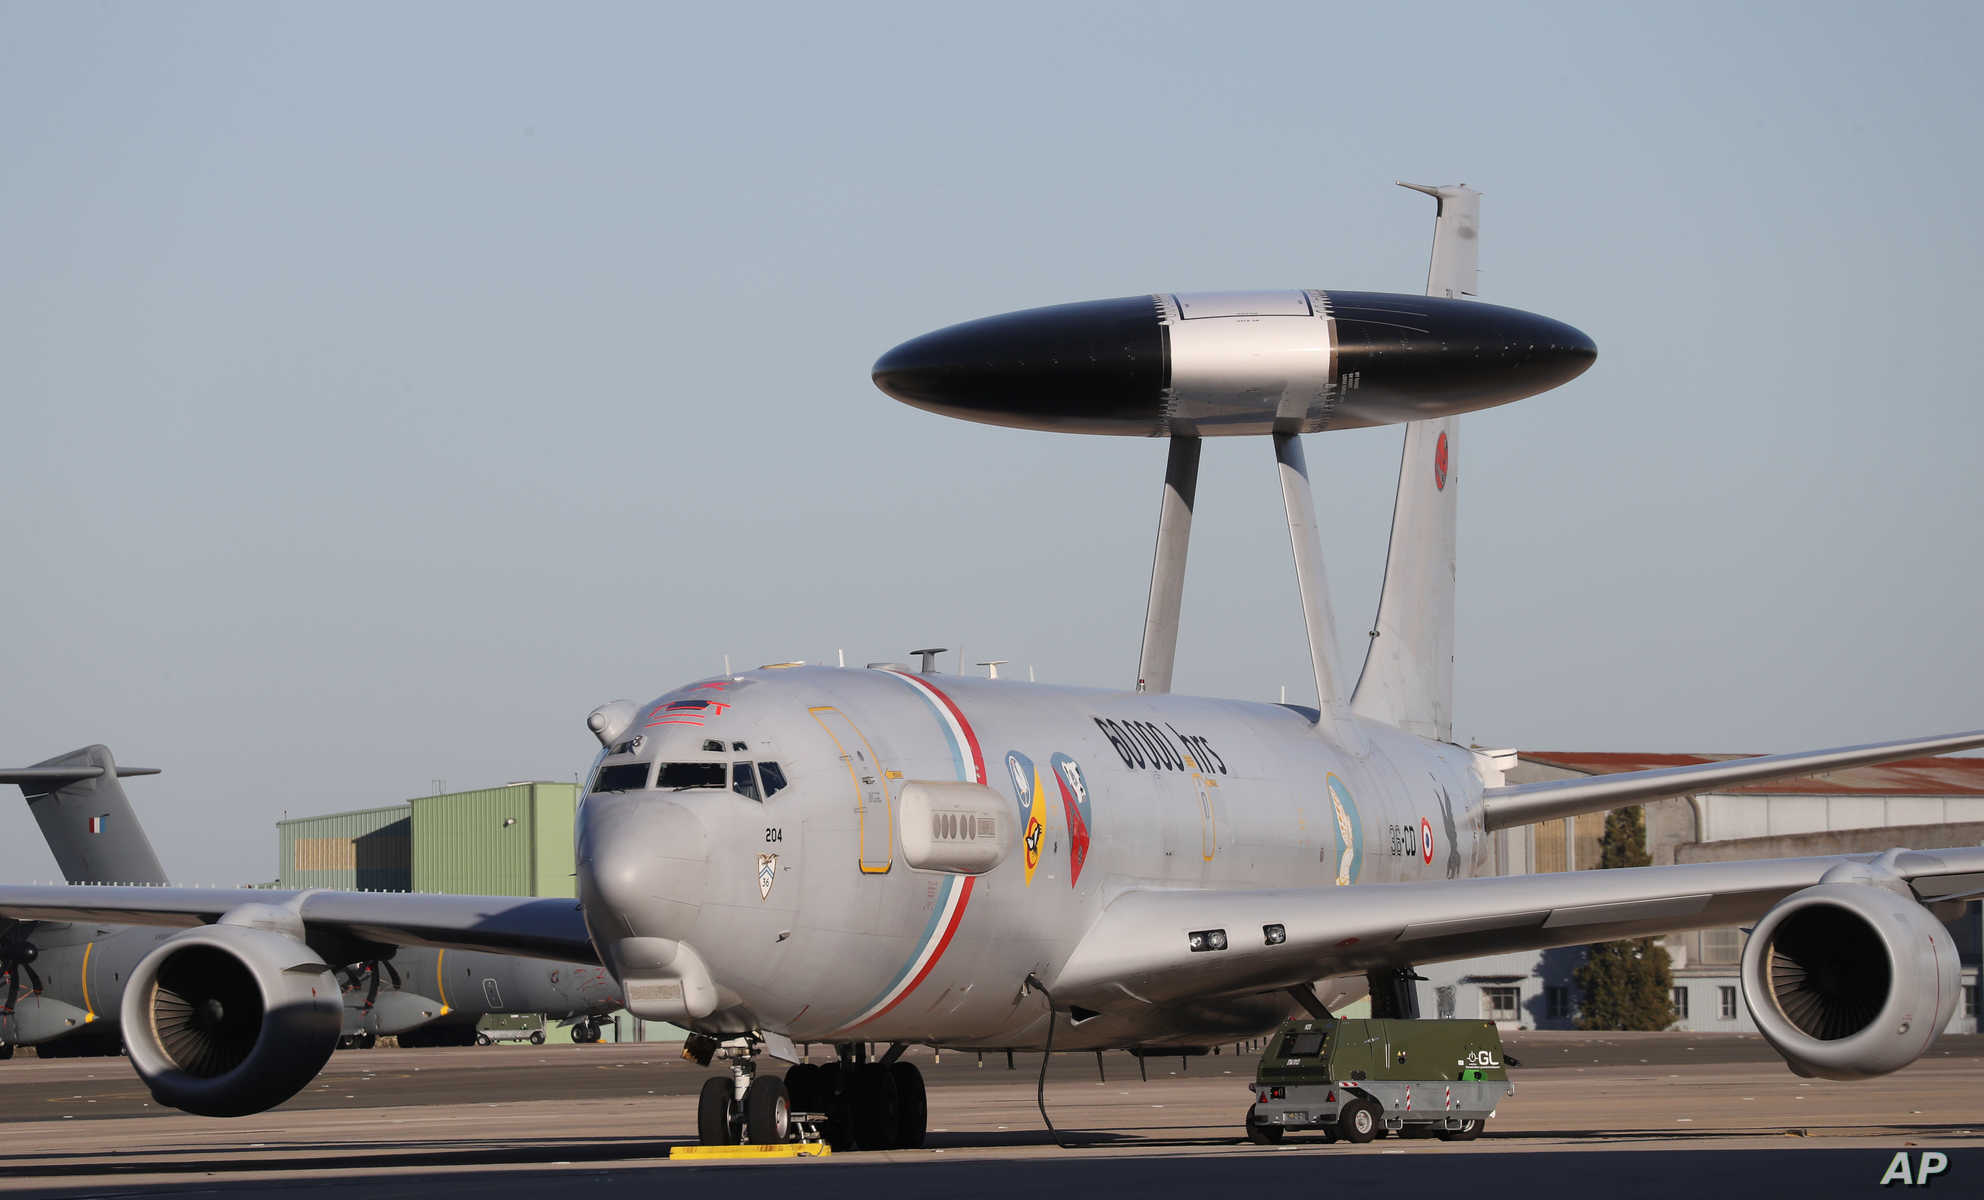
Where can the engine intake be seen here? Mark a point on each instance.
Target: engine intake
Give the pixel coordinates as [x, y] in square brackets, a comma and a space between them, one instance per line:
[1849, 980]
[227, 1020]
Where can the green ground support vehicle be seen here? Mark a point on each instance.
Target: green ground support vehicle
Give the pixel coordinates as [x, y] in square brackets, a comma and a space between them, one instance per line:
[1357, 1080]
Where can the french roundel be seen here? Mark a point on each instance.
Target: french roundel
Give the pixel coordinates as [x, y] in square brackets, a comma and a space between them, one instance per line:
[1440, 464]
[1426, 840]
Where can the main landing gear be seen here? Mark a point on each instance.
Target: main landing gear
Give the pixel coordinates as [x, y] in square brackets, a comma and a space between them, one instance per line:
[854, 1103]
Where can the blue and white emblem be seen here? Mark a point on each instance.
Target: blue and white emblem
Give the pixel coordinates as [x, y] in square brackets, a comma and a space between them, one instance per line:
[1349, 836]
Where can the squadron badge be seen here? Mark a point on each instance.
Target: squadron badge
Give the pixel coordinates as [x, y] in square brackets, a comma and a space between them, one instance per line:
[1349, 839]
[767, 875]
[1032, 800]
[1075, 803]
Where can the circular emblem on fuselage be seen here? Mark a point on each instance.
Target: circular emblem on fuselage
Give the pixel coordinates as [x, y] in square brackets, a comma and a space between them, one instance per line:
[1440, 463]
[1349, 839]
[1426, 840]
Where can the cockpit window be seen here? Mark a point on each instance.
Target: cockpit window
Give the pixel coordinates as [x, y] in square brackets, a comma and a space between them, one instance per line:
[773, 777]
[676, 777]
[621, 777]
[743, 782]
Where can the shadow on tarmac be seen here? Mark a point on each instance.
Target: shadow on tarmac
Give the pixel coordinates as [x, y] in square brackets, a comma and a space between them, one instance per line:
[1801, 1170]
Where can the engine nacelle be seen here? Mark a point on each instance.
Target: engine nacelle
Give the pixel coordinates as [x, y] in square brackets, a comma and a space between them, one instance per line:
[1848, 980]
[228, 1020]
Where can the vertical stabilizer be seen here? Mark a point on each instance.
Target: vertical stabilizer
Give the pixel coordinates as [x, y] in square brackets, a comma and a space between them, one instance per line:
[89, 824]
[1408, 677]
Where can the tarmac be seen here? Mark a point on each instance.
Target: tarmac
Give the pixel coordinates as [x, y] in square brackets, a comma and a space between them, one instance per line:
[1619, 1115]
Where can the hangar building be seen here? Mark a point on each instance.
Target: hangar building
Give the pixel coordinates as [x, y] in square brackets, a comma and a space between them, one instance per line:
[1922, 804]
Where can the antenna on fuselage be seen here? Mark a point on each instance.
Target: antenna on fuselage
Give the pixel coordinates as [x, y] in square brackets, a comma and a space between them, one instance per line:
[992, 666]
[928, 659]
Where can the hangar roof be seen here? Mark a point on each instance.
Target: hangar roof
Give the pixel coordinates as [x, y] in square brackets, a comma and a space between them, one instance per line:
[1939, 776]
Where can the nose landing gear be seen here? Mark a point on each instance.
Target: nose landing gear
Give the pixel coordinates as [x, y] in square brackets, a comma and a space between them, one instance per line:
[856, 1104]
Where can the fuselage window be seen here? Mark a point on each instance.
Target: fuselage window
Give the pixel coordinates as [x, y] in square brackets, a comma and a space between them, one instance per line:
[621, 777]
[677, 777]
[743, 782]
[773, 777]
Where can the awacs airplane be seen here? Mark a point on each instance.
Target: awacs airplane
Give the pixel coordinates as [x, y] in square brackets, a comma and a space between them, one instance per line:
[894, 857]
[61, 984]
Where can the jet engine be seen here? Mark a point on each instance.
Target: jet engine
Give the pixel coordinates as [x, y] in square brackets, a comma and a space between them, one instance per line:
[228, 1020]
[1850, 978]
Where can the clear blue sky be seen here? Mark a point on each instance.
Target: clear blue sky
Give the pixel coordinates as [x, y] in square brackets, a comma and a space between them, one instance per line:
[384, 386]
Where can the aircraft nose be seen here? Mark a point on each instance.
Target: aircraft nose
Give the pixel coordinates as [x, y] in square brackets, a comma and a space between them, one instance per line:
[1430, 356]
[642, 861]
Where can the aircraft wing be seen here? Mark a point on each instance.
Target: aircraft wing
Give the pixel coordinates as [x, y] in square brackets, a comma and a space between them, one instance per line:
[533, 926]
[1525, 804]
[1139, 949]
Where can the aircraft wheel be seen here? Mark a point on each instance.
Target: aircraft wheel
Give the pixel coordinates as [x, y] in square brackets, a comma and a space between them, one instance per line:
[1263, 1135]
[912, 1106]
[483, 1039]
[767, 1112]
[1360, 1121]
[6, 1051]
[877, 1108]
[1469, 1130]
[713, 1112]
[537, 1037]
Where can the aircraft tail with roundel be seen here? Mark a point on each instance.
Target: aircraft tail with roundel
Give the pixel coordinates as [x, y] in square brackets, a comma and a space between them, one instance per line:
[89, 823]
[1408, 676]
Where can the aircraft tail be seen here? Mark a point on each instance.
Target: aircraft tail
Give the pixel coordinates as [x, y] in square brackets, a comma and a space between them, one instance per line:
[1408, 676]
[89, 823]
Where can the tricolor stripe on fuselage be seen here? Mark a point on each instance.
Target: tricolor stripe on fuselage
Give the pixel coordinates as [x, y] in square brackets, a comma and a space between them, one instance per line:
[969, 760]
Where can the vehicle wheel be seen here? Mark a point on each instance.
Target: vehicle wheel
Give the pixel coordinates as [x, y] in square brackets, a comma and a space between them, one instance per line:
[912, 1106]
[1360, 1121]
[537, 1037]
[713, 1112]
[877, 1108]
[1263, 1135]
[767, 1112]
[1329, 1134]
[1469, 1130]
[482, 1039]
[801, 1088]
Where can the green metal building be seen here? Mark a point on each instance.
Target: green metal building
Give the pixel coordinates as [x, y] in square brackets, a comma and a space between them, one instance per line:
[367, 849]
[514, 840]
[506, 841]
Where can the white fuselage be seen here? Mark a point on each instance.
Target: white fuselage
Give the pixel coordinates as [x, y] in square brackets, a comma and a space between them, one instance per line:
[801, 913]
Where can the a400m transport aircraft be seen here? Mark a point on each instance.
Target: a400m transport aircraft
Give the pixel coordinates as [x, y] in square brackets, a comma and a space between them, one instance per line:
[895, 857]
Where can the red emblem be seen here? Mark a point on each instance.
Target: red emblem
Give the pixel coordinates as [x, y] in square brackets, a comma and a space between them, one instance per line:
[1440, 464]
[1426, 840]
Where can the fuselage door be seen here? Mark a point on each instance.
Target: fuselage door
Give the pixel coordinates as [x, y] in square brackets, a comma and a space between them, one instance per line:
[871, 790]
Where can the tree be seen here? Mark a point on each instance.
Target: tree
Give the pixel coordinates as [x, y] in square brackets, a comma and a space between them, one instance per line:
[1628, 984]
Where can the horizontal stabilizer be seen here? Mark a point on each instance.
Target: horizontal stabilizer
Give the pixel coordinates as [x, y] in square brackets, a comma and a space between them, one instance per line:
[61, 775]
[1528, 803]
